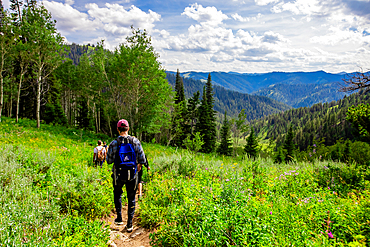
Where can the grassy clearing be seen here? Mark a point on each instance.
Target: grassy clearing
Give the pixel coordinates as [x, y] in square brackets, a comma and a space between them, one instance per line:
[52, 195]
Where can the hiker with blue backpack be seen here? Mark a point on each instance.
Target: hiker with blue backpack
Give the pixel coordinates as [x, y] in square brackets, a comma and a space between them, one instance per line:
[127, 155]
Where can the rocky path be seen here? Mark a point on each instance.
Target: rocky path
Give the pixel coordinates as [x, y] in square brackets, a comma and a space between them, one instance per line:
[119, 237]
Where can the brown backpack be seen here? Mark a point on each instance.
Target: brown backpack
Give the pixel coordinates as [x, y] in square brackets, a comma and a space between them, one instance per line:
[101, 155]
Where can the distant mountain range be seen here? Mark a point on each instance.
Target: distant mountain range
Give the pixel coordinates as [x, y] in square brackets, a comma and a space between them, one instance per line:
[297, 89]
[232, 101]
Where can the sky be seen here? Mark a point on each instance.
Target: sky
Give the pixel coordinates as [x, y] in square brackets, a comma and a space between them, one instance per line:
[245, 36]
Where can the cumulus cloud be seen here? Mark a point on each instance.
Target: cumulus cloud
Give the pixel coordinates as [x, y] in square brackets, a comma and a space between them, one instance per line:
[69, 19]
[297, 7]
[237, 17]
[117, 20]
[338, 36]
[274, 38]
[208, 16]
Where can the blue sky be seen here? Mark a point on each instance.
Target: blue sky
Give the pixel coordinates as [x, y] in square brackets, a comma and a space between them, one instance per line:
[251, 36]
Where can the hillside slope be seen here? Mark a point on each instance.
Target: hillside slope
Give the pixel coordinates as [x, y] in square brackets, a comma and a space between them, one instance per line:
[233, 102]
[325, 122]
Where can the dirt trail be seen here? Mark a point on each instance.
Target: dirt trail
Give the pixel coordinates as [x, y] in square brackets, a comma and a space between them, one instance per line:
[119, 236]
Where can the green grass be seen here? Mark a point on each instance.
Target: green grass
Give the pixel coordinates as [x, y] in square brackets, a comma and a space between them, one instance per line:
[53, 195]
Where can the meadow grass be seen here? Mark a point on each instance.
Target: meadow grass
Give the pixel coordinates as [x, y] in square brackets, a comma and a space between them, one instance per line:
[53, 195]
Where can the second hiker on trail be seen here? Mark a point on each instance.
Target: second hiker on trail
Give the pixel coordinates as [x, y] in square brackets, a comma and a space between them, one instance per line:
[99, 154]
[128, 157]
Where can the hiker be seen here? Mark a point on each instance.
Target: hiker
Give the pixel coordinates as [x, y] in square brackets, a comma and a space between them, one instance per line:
[99, 155]
[128, 156]
[140, 182]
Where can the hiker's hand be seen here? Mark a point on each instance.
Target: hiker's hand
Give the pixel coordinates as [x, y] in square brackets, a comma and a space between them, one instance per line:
[139, 167]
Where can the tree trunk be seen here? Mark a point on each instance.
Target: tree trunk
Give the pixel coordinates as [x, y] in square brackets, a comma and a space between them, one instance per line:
[18, 97]
[38, 97]
[1, 92]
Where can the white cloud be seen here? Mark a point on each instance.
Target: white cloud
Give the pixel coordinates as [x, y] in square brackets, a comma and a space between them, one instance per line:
[117, 20]
[209, 15]
[69, 19]
[298, 7]
[237, 17]
[338, 36]
[265, 2]
[69, 2]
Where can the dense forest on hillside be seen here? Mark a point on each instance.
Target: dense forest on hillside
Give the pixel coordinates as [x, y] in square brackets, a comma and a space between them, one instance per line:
[302, 95]
[325, 122]
[76, 51]
[233, 102]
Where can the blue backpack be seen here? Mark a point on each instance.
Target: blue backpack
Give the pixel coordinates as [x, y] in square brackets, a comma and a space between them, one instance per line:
[125, 160]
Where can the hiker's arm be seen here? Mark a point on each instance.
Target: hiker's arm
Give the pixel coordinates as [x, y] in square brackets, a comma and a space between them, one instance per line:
[139, 166]
[111, 152]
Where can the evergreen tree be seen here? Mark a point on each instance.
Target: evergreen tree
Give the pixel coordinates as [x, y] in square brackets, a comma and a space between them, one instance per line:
[203, 123]
[179, 88]
[279, 156]
[289, 145]
[225, 147]
[180, 127]
[193, 105]
[251, 148]
[208, 118]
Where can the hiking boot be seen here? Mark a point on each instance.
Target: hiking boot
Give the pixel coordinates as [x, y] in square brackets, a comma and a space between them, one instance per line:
[129, 227]
[118, 220]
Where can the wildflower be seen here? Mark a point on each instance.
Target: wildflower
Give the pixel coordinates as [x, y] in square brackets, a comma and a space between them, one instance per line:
[330, 235]
[314, 151]
[227, 180]
[192, 185]
[270, 212]
[328, 188]
[172, 189]
[206, 168]
[320, 157]
[310, 154]
[325, 166]
[314, 145]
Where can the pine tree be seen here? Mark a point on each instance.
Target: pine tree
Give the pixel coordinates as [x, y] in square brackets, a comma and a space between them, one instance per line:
[179, 88]
[279, 156]
[203, 123]
[209, 118]
[225, 147]
[180, 127]
[193, 105]
[289, 145]
[251, 148]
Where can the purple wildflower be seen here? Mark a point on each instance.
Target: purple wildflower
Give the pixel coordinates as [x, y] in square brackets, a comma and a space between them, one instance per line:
[172, 189]
[310, 154]
[206, 168]
[325, 166]
[192, 185]
[330, 235]
[328, 188]
[227, 180]
[314, 151]
[314, 145]
[270, 212]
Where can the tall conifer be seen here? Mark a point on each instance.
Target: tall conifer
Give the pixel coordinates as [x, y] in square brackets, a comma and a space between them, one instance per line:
[289, 145]
[251, 148]
[179, 88]
[225, 147]
[180, 127]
